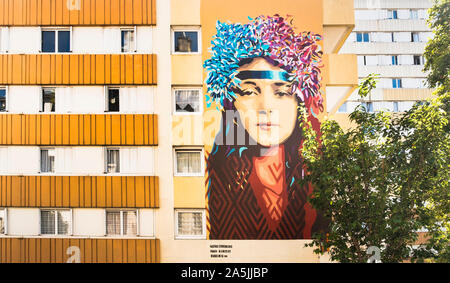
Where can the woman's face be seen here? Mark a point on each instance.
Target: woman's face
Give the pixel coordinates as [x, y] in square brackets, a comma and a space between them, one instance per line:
[265, 105]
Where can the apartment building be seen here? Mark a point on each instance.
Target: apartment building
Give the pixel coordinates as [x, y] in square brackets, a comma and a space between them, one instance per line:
[389, 39]
[106, 129]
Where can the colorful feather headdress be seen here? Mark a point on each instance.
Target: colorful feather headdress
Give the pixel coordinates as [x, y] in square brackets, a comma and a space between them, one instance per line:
[265, 36]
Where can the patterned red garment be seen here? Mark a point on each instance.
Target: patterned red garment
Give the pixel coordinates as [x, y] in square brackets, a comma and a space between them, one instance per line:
[235, 211]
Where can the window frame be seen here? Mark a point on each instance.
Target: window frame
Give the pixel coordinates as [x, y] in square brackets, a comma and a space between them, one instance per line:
[190, 237]
[200, 98]
[106, 99]
[56, 30]
[394, 60]
[421, 60]
[412, 36]
[186, 29]
[5, 221]
[106, 160]
[121, 210]
[6, 99]
[189, 149]
[70, 232]
[392, 14]
[134, 45]
[40, 161]
[41, 99]
[413, 12]
[397, 83]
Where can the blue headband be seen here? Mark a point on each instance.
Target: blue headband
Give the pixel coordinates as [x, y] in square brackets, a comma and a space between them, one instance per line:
[269, 75]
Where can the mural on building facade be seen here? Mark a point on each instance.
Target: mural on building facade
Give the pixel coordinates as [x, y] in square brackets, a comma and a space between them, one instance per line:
[258, 76]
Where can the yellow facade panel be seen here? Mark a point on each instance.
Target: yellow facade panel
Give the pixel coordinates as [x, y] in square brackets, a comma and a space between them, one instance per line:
[57, 250]
[76, 12]
[187, 70]
[189, 192]
[79, 191]
[77, 69]
[72, 129]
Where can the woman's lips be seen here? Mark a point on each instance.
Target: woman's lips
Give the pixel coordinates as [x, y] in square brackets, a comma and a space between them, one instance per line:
[266, 126]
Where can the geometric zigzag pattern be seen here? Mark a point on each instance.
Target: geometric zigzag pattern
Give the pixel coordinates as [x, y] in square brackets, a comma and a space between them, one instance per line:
[233, 211]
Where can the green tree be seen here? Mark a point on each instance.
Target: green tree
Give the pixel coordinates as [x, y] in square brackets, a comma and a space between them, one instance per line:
[380, 181]
[437, 51]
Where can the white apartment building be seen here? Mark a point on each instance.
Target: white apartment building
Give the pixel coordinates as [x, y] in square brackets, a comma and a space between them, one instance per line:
[389, 39]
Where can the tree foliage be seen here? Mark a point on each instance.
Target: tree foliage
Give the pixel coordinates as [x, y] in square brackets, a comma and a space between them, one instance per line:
[437, 51]
[381, 181]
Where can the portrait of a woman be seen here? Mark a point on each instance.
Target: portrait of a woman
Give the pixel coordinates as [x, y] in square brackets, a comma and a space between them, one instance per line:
[259, 75]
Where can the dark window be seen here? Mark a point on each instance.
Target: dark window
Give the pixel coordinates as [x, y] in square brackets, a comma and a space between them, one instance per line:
[366, 37]
[394, 60]
[113, 100]
[127, 42]
[63, 41]
[186, 41]
[48, 41]
[359, 37]
[52, 39]
[414, 37]
[396, 83]
[2, 100]
[417, 60]
[48, 100]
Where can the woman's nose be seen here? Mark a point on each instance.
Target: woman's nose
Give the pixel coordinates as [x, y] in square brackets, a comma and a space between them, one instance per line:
[265, 103]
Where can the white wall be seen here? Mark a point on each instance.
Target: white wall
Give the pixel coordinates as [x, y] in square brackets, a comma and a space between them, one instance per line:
[24, 99]
[24, 40]
[23, 221]
[147, 222]
[4, 39]
[80, 99]
[19, 160]
[86, 222]
[85, 40]
[89, 222]
[82, 160]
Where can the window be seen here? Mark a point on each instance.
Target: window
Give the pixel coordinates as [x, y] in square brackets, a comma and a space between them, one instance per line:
[121, 223]
[56, 222]
[2, 221]
[362, 37]
[189, 162]
[48, 100]
[187, 101]
[186, 41]
[113, 103]
[343, 108]
[395, 106]
[414, 14]
[48, 160]
[54, 40]
[418, 60]
[414, 37]
[112, 160]
[190, 224]
[392, 14]
[3, 100]
[396, 83]
[394, 60]
[128, 41]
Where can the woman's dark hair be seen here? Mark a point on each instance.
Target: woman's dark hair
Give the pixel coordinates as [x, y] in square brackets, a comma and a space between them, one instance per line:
[221, 151]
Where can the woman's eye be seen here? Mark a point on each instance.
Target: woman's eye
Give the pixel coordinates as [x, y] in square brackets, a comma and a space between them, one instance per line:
[282, 93]
[248, 92]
